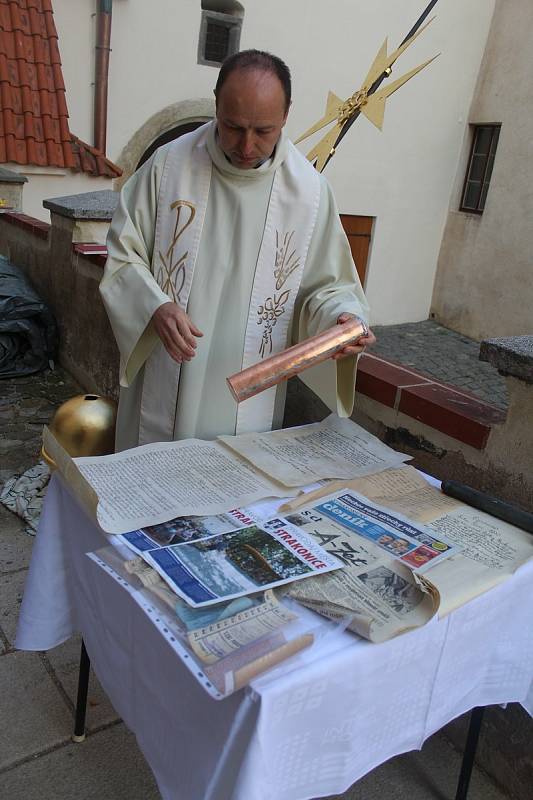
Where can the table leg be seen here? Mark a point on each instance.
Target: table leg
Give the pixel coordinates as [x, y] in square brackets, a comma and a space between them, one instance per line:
[474, 728]
[81, 702]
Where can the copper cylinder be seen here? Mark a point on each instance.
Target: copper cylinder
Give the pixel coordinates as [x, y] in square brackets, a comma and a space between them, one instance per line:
[282, 366]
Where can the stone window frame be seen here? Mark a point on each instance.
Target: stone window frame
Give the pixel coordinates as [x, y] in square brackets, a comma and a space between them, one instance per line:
[479, 167]
[229, 21]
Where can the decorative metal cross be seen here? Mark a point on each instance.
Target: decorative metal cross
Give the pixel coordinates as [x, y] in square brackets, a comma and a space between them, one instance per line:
[366, 100]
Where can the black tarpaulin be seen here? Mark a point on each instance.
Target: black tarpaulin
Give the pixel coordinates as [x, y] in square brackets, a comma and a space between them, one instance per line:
[28, 332]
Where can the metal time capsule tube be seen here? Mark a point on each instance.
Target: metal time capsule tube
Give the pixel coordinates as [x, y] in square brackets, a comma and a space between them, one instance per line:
[281, 366]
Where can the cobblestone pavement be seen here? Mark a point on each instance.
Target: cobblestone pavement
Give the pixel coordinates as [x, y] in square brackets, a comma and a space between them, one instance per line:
[38, 760]
[442, 354]
[26, 404]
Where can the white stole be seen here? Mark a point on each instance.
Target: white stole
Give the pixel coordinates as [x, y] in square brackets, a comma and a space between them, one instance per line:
[290, 221]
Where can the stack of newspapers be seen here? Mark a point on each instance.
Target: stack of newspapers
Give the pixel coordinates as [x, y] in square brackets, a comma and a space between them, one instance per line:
[255, 546]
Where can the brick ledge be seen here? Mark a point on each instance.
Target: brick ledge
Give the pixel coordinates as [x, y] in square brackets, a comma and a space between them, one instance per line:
[446, 408]
[32, 224]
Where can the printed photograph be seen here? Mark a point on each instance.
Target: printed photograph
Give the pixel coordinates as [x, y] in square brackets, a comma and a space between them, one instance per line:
[187, 529]
[248, 558]
[394, 590]
[420, 556]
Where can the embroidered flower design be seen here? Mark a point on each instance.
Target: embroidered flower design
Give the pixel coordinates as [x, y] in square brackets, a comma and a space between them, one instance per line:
[286, 260]
[268, 313]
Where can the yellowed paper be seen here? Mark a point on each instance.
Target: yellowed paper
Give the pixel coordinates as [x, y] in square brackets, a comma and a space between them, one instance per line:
[157, 482]
[244, 675]
[150, 579]
[65, 464]
[219, 639]
[333, 448]
[379, 595]
[492, 551]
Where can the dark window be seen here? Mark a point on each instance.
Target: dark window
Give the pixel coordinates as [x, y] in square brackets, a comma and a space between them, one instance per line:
[480, 165]
[216, 41]
[220, 36]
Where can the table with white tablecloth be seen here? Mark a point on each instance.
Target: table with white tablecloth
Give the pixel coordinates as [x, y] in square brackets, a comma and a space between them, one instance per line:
[308, 729]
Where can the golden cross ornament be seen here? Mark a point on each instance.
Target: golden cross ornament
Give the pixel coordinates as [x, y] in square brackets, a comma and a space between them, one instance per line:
[371, 104]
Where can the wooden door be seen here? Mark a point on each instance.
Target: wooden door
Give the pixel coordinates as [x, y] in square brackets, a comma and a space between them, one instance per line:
[359, 232]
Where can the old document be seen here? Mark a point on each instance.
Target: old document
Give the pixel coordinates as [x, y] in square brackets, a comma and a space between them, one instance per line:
[491, 550]
[334, 448]
[155, 482]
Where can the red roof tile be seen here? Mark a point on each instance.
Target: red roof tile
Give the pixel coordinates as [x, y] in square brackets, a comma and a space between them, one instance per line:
[34, 125]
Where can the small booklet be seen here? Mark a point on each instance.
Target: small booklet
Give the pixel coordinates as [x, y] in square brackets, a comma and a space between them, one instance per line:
[224, 646]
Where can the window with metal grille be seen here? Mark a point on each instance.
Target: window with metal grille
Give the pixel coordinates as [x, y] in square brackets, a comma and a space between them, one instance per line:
[219, 37]
[479, 170]
[216, 41]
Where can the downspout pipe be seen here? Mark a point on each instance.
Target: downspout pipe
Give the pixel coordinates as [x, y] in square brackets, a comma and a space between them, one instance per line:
[101, 71]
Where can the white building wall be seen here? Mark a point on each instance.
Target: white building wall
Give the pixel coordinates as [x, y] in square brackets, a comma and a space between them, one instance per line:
[48, 182]
[75, 23]
[403, 176]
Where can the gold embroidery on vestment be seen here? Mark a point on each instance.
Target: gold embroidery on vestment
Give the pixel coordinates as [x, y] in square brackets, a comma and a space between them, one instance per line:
[268, 312]
[171, 272]
[286, 262]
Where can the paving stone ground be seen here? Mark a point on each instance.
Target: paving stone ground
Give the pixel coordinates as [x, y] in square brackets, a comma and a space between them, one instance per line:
[442, 354]
[38, 760]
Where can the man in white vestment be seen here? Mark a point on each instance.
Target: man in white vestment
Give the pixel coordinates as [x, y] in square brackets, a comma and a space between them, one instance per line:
[226, 247]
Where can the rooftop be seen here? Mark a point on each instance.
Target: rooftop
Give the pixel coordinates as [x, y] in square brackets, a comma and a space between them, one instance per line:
[34, 126]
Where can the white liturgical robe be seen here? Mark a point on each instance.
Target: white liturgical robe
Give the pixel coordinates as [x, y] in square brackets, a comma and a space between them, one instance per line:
[219, 302]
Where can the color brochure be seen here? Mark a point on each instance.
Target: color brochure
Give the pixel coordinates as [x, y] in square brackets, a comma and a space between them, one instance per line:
[208, 560]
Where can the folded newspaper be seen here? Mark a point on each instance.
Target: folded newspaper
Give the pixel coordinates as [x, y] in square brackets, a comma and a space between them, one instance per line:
[409, 551]
[208, 560]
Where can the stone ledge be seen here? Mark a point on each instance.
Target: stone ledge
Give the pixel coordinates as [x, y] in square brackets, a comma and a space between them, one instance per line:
[445, 408]
[511, 355]
[31, 224]
[89, 205]
[10, 176]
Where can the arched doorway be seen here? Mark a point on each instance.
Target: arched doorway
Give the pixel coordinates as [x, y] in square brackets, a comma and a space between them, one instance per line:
[168, 136]
[162, 127]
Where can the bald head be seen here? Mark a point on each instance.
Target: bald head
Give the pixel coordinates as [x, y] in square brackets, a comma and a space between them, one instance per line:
[258, 60]
[251, 111]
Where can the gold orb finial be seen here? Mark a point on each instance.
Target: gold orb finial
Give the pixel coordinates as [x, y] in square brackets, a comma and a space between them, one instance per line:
[84, 426]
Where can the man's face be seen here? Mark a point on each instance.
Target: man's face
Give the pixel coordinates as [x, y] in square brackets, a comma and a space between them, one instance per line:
[250, 115]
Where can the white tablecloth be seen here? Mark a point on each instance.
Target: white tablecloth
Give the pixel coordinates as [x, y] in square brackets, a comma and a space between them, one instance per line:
[308, 730]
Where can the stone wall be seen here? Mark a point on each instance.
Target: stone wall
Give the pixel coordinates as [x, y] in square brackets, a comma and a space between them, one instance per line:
[66, 274]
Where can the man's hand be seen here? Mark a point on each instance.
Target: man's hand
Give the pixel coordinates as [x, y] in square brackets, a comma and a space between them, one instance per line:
[176, 331]
[353, 349]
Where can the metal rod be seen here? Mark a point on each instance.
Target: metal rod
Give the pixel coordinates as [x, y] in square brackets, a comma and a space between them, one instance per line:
[467, 764]
[491, 505]
[377, 83]
[81, 701]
